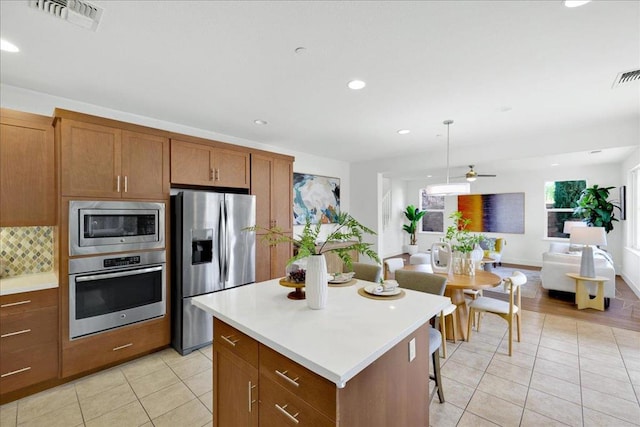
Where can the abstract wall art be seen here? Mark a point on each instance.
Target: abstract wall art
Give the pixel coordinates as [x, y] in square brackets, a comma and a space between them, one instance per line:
[315, 197]
[494, 213]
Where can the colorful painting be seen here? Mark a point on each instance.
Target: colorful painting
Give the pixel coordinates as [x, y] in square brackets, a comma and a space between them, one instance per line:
[494, 213]
[316, 198]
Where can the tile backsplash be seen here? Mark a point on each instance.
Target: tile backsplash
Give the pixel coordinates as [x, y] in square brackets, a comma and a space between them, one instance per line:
[25, 250]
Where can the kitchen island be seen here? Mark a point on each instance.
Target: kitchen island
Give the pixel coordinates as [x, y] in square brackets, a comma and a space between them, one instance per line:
[358, 362]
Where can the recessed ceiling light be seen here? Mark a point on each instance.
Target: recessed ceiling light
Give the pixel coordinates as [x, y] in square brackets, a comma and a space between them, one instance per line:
[8, 46]
[595, 151]
[575, 3]
[356, 84]
[300, 50]
[260, 122]
[404, 131]
[429, 176]
[555, 164]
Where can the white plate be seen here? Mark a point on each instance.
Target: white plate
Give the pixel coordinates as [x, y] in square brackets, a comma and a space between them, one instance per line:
[340, 280]
[370, 289]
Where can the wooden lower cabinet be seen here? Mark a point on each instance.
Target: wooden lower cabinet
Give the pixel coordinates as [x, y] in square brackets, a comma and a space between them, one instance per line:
[92, 352]
[28, 339]
[390, 391]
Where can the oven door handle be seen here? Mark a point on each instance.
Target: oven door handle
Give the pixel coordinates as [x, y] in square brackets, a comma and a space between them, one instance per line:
[119, 274]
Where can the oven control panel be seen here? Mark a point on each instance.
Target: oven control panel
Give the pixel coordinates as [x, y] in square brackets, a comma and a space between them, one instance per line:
[122, 261]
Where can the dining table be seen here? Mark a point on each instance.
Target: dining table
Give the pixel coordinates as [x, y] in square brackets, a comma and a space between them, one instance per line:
[456, 284]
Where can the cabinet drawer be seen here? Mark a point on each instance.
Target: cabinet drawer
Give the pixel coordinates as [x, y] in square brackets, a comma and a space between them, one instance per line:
[102, 349]
[279, 407]
[28, 329]
[240, 344]
[22, 368]
[25, 301]
[312, 388]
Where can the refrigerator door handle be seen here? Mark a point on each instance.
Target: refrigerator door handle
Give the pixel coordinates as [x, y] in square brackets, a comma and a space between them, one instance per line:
[221, 244]
[227, 244]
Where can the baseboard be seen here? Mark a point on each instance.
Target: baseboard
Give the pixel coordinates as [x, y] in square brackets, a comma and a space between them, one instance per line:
[633, 286]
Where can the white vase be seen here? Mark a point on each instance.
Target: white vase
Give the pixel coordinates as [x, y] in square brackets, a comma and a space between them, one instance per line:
[316, 282]
[412, 249]
[463, 264]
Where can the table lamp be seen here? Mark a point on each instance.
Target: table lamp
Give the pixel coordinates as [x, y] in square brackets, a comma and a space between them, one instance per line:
[588, 236]
[568, 225]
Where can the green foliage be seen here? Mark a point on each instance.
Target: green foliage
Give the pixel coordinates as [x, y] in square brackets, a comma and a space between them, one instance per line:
[347, 229]
[566, 193]
[460, 239]
[595, 208]
[414, 215]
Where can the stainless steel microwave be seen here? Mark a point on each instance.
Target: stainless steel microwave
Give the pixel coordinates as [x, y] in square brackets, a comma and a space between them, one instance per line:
[105, 226]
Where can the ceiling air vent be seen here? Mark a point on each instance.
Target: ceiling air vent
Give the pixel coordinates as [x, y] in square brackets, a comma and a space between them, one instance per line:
[77, 12]
[626, 77]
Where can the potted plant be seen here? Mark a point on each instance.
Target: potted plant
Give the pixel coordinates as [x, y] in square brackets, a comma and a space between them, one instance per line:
[414, 215]
[462, 243]
[346, 229]
[595, 208]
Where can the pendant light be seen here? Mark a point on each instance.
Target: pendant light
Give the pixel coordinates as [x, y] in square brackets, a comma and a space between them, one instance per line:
[448, 189]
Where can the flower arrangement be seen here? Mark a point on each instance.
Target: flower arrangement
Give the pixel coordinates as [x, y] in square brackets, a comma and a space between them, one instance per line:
[459, 237]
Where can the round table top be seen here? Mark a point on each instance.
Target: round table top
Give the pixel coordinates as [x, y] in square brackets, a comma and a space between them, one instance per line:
[587, 279]
[481, 280]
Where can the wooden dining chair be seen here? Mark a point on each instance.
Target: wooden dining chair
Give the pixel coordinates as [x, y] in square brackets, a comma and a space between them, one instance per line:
[430, 284]
[368, 272]
[505, 309]
[390, 267]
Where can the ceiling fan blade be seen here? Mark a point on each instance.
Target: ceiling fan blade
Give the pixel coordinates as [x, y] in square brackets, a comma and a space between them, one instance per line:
[486, 176]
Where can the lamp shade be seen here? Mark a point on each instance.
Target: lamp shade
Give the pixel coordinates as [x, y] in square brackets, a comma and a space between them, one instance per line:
[588, 236]
[448, 189]
[568, 225]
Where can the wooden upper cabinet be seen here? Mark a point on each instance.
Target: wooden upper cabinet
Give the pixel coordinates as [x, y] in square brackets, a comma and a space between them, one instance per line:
[201, 164]
[282, 194]
[104, 161]
[91, 160]
[27, 172]
[145, 165]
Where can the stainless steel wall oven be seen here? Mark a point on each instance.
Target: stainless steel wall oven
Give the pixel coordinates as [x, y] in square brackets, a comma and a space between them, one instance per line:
[107, 292]
[106, 226]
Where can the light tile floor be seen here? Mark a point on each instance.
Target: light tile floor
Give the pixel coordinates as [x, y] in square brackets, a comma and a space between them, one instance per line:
[564, 372]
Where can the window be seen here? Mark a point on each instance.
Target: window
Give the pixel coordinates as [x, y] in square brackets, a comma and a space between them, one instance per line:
[433, 220]
[560, 198]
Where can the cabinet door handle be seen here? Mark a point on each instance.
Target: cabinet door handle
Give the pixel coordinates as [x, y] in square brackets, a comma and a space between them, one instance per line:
[228, 340]
[284, 411]
[118, 184]
[286, 377]
[11, 304]
[126, 183]
[10, 334]
[217, 174]
[211, 174]
[122, 347]
[15, 372]
[251, 401]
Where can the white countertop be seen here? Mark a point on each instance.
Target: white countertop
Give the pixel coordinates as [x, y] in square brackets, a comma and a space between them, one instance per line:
[28, 283]
[336, 342]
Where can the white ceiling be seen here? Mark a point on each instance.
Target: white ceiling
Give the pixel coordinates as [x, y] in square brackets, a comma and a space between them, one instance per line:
[502, 70]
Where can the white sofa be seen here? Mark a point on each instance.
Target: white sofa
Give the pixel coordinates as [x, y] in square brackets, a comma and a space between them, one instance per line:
[560, 260]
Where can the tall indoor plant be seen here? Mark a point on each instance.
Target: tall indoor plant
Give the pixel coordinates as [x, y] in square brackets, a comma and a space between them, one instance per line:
[414, 215]
[347, 229]
[595, 208]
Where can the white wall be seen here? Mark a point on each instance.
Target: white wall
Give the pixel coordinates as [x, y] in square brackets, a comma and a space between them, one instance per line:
[527, 248]
[630, 257]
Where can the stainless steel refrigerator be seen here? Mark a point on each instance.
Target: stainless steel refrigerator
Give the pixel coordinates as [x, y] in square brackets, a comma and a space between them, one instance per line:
[211, 252]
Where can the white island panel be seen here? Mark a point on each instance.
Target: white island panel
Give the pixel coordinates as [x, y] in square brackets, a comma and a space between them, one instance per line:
[336, 342]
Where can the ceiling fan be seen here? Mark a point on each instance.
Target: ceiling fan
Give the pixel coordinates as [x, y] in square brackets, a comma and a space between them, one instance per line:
[472, 175]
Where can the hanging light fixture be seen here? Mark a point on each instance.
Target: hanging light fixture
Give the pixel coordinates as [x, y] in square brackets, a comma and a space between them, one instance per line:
[448, 189]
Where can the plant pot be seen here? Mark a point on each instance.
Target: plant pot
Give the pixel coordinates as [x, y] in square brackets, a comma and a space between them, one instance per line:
[412, 249]
[316, 282]
[463, 264]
